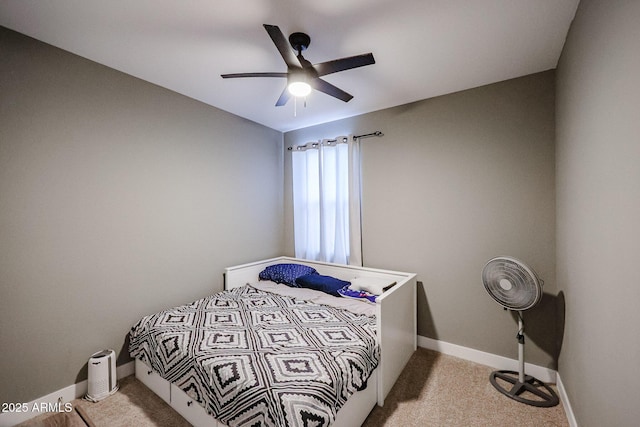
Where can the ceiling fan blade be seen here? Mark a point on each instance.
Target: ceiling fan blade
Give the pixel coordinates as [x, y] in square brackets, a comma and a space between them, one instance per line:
[342, 64]
[282, 45]
[236, 75]
[329, 89]
[284, 97]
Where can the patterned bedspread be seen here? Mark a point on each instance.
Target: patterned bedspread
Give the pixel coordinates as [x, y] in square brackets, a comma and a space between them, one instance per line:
[253, 358]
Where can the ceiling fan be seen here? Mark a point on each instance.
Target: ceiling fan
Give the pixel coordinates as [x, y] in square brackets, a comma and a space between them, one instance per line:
[301, 75]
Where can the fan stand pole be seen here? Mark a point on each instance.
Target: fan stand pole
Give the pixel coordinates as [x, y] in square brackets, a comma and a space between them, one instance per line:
[541, 394]
[520, 338]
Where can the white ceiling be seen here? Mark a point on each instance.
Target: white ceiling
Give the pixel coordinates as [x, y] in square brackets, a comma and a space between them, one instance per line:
[423, 48]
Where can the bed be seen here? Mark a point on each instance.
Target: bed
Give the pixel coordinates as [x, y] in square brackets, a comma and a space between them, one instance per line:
[358, 348]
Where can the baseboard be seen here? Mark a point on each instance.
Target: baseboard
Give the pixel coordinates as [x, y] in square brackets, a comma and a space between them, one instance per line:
[562, 392]
[55, 401]
[499, 362]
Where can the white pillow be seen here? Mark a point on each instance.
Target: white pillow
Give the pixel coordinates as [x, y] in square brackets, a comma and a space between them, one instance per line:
[375, 286]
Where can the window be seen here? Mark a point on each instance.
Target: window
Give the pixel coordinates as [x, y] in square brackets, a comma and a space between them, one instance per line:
[326, 201]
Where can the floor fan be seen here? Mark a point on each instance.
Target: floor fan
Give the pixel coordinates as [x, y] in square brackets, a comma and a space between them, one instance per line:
[515, 286]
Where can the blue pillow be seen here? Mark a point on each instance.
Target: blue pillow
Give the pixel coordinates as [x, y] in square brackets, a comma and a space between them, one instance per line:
[326, 284]
[286, 273]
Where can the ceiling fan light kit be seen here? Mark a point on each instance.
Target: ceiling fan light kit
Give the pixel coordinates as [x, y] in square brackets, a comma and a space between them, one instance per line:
[301, 75]
[298, 85]
[515, 286]
[299, 89]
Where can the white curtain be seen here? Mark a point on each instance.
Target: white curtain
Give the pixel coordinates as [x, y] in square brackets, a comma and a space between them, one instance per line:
[326, 201]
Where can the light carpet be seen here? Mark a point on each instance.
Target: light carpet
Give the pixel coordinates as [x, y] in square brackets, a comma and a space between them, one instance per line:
[440, 390]
[433, 390]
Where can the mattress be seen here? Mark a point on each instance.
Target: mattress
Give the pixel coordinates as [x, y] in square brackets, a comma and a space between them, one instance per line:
[251, 357]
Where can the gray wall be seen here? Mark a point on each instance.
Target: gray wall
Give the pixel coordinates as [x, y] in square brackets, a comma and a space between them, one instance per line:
[457, 180]
[598, 204]
[117, 198]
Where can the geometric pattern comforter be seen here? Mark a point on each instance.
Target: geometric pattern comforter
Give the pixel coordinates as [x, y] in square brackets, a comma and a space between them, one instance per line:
[254, 358]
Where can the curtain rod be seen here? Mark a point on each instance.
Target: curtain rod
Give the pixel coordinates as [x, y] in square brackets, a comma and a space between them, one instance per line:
[366, 135]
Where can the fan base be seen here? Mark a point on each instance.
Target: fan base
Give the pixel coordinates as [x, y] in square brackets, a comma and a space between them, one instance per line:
[547, 397]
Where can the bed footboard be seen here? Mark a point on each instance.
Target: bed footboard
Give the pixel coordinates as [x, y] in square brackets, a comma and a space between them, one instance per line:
[397, 323]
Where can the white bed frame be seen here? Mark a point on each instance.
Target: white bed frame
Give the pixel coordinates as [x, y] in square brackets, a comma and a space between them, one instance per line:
[396, 329]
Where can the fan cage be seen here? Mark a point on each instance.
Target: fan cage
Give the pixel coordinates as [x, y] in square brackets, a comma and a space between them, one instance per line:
[511, 283]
